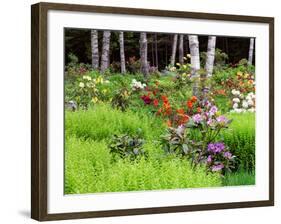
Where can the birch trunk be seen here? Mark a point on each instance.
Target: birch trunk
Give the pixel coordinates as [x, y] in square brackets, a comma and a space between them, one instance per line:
[105, 51]
[210, 55]
[174, 49]
[95, 49]
[143, 54]
[181, 49]
[195, 62]
[251, 51]
[122, 52]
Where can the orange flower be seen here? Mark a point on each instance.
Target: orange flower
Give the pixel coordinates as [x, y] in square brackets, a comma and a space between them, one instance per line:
[183, 119]
[180, 111]
[164, 98]
[193, 99]
[199, 110]
[189, 104]
[169, 123]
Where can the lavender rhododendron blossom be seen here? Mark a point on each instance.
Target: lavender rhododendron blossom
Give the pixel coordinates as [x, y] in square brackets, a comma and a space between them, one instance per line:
[213, 110]
[209, 159]
[227, 155]
[222, 119]
[197, 118]
[216, 147]
[217, 167]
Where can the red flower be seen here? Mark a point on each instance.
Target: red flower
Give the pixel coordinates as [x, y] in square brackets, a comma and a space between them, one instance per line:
[155, 103]
[180, 111]
[199, 110]
[189, 104]
[146, 99]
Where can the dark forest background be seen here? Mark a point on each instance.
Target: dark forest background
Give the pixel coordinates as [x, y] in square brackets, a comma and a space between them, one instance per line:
[78, 42]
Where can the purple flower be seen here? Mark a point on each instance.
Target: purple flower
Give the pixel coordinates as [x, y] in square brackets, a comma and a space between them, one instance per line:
[227, 155]
[216, 147]
[209, 159]
[210, 122]
[213, 110]
[217, 167]
[197, 118]
[222, 119]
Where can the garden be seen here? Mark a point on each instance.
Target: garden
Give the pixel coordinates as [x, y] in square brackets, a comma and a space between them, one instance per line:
[138, 122]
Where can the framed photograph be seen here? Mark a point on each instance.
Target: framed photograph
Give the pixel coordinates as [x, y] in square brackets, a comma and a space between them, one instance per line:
[138, 111]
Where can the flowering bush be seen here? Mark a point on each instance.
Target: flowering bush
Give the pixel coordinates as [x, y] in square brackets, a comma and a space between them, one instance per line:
[136, 85]
[243, 103]
[90, 90]
[121, 99]
[219, 158]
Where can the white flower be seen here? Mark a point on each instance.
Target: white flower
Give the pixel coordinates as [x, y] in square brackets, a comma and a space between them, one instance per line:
[252, 110]
[250, 103]
[248, 97]
[233, 91]
[238, 110]
[81, 84]
[241, 96]
[235, 105]
[87, 77]
[245, 104]
[236, 100]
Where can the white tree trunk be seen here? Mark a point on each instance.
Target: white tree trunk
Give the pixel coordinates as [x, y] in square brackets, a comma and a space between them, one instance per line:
[174, 49]
[195, 62]
[181, 49]
[210, 55]
[251, 51]
[122, 52]
[105, 51]
[95, 49]
[143, 54]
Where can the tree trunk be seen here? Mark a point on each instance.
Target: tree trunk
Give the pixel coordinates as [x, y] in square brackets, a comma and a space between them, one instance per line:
[95, 49]
[181, 49]
[105, 51]
[195, 62]
[143, 54]
[251, 51]
[156, 51]
[174, 50]
[122, 52]
[210, 55]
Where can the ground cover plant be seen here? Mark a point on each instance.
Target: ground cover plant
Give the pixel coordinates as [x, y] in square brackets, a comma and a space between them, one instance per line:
[145, 123]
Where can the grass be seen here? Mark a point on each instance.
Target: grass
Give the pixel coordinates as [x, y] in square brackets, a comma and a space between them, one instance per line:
[239, 178]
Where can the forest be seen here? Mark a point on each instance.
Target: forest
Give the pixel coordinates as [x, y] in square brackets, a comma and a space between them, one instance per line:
[155, 111]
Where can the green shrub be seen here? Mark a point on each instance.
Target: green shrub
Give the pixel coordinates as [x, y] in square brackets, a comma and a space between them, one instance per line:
[240, 138]
[240, 177]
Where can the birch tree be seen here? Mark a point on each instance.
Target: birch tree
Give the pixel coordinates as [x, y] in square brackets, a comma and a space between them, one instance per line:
[105, 51]
[181, 49]
[174, 49]
[143, 54]
[251, 51]
[210, 55]
[95, 49]
[195, 62]
[122, 52]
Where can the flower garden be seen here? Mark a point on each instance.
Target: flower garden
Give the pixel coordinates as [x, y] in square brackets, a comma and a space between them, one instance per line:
[128, 132]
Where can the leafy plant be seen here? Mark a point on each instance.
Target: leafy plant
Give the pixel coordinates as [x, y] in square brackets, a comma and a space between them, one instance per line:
[127, 146]
[121, 99]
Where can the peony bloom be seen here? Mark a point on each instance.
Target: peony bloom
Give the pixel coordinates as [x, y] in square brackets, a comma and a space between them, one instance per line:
[236, 100]
[222, 119]
[227, 155]
[250, 103]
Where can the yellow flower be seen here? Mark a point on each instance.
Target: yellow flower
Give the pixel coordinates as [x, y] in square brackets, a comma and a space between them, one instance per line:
[188, 56]
[81, 84]
[185, 58]
[239, 73]
[95, 99]
[87, 77]
[178, 64]
[104, 91]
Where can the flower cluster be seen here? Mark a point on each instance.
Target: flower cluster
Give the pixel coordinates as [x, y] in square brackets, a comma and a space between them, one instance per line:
[219, 158]
[242, 103]
[136, 85]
